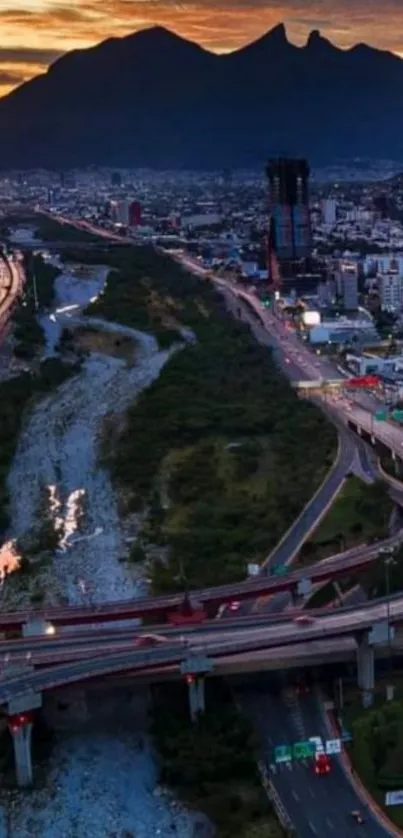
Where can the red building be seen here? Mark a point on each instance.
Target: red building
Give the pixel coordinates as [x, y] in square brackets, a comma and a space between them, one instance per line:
[134, 214]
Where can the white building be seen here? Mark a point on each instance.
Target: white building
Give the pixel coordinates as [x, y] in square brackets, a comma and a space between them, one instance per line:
[202, 220]
[343, 330]
[329, 211]
[390, 286]
[383, 263]
[120, 211]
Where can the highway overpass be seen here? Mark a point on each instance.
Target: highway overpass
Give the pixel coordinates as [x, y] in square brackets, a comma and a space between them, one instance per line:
[201, 652]
[342, 565]
[215, 640]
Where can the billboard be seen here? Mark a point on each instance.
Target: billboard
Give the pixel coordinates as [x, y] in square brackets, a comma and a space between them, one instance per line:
[311, 318]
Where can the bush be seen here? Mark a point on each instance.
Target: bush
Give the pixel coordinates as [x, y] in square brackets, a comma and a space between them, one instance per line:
[212, 762]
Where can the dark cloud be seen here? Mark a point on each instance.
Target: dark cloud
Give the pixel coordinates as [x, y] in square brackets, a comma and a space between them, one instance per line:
[28, 55]
[7, 78]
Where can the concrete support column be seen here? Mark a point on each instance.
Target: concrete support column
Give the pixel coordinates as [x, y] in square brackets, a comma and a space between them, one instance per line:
[366, 671]
[196, 697]
[194, 669]
[20, 719]
[201, 702]
[21, 735]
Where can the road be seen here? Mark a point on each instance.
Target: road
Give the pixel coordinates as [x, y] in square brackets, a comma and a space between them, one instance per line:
[291, 543]
[215, 641]
[346, 563]
[320, 807]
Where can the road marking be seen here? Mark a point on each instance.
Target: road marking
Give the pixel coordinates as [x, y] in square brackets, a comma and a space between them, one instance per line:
[330, 823]
[312, 827]
[295, 796]
[311, 792]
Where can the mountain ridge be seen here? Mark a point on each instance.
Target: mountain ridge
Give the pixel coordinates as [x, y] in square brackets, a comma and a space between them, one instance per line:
[157, 100]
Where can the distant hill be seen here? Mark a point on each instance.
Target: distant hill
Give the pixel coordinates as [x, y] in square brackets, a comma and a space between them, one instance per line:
[155, 100]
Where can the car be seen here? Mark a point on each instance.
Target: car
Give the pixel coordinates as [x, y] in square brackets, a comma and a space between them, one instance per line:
[149, 640]
[304, 620]
[234, 606]
[357, 816]
[322, 765]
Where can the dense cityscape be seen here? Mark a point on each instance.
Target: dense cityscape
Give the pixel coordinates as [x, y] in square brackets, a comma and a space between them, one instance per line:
[201, 450]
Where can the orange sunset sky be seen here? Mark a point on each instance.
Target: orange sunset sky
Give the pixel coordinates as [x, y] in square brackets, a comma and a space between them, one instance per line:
[33, 33]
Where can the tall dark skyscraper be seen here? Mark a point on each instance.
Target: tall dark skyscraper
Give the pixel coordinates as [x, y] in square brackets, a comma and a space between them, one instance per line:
[116, 179]
[289, 223]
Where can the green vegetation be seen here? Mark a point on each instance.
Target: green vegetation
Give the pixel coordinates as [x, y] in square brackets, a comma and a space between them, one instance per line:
[377, 750]
[15, 397]
[212, 763]
[213, 448]
[48, 230]
[360, 513]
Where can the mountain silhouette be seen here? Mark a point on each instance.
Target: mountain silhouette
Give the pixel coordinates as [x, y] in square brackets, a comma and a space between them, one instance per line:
[153, 99]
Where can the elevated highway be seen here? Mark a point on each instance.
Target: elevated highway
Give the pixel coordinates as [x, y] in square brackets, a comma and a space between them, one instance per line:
[214, 642]
[342, 565]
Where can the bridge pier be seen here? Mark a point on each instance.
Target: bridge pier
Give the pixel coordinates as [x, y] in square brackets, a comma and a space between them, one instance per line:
[366, 670]
[194, 669]
[20, 720]
[197, 702]
[21, 736]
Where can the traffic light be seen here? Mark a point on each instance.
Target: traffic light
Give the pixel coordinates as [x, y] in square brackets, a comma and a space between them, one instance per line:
[189, 679]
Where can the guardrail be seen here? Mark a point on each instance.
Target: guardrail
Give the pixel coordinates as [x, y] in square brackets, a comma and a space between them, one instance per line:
[276, 801]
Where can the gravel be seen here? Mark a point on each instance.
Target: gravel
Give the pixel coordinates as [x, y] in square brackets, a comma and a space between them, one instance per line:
[59, 448]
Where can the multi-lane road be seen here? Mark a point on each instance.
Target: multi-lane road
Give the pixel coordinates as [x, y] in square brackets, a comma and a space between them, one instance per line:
[214, 641]
[342, 564]
[320, 807]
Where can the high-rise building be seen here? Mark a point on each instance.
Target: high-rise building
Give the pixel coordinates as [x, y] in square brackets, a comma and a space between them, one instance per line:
[116, 179]
[391, 290]
[329, 211]
[349, 286]
[289, 208]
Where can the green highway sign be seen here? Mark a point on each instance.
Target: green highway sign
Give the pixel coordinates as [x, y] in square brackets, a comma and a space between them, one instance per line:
[279, 570]
[381, 416]
[283, 753]
[303, 750]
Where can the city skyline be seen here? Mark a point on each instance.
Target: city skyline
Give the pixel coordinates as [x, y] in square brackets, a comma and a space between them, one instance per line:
[36, 32]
